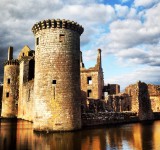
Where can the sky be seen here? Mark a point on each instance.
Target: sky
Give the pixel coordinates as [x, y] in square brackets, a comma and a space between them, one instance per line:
[127, 32]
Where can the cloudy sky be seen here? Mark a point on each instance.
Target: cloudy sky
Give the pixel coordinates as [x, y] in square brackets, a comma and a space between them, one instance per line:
[127, 31]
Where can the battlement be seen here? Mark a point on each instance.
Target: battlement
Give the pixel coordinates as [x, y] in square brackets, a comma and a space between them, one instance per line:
[67, 24]
[11, 62]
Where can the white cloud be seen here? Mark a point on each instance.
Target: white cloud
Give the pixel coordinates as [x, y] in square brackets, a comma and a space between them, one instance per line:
[146, 74]
[145, 3]
[128, 33]
[121, 11]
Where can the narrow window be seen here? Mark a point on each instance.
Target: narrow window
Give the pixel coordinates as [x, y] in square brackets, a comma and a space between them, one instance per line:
[37, 41]
[61, 38]
[89, 93]
[31, 70]
[8, 81]
[54, 82]
[54, 88]
[89, 80]
[7, 94]
[23, 54]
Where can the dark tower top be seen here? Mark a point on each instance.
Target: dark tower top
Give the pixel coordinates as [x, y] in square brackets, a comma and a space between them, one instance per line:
[10, 60]
[10, 53]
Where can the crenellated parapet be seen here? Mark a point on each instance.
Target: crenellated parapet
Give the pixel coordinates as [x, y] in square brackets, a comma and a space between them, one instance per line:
[11, 62]
[67, 24]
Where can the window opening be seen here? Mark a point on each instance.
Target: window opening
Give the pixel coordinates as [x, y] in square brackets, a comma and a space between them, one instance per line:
[89, 80]
[31, 70]
[8, 81]
[89, 93]
[37, 41]
[54, 82]
[7, 94]
[54, 88]
[61, 38]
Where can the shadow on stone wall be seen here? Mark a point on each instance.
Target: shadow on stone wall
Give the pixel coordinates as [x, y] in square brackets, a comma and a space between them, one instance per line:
[145, 110]
[1, 91]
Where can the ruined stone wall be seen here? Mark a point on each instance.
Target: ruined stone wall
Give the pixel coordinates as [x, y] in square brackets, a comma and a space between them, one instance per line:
[92, 119]
[57, 76]
[100, 84]
[154, 93]
[113, 89]
[95, 85]
[118, 103]
[92, 83]
[10, 89]
[140, 100]
[1, 92]
[26, 92]
[132, 91]
[26, 101]
[145, 111]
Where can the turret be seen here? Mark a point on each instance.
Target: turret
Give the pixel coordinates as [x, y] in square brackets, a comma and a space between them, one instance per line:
[10, 86]
[99, 65]
[57, 103]
[10, 53]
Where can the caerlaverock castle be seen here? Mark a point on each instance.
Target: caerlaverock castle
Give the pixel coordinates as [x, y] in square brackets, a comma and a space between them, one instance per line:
[51, 86]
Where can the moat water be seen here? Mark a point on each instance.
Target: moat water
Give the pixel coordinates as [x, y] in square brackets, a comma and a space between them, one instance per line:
[19, 135]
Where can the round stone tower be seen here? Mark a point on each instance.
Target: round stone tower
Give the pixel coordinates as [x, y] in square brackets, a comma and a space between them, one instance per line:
[57, 102]
[10, 86]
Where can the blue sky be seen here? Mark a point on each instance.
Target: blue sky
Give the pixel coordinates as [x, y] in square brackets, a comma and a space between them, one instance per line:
[127, 31]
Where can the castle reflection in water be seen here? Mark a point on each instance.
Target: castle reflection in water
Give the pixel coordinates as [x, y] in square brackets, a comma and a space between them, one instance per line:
[18, 134]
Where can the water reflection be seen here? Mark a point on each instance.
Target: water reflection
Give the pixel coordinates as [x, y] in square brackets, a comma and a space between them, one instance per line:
[17, 135]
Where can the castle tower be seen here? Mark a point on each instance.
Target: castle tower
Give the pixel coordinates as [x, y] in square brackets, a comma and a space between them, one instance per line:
[10, 86]
[57, 75]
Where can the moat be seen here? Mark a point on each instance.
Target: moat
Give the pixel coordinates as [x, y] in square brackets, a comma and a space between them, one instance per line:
[18, 134]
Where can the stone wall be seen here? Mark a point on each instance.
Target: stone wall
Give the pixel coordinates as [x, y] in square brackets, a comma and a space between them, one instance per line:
[92, 82]
[132, 91]
[91, 119]
[26, 101]
[96, 91]
[140, 100]
[26, 84]
[154, 93]
[1, 92]
[113, 89]
[145, 111]
[118, 103]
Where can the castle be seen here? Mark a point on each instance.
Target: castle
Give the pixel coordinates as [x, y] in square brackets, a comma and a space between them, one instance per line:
[44, 85]
[51, 87]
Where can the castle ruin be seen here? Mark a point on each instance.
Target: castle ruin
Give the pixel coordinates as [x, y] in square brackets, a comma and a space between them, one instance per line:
[52, 88]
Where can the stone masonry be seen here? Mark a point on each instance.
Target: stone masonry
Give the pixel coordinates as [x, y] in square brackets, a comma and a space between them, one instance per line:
[140, 100]
[92, 82]
[57, 75]
[1, 92]
[26, 84]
